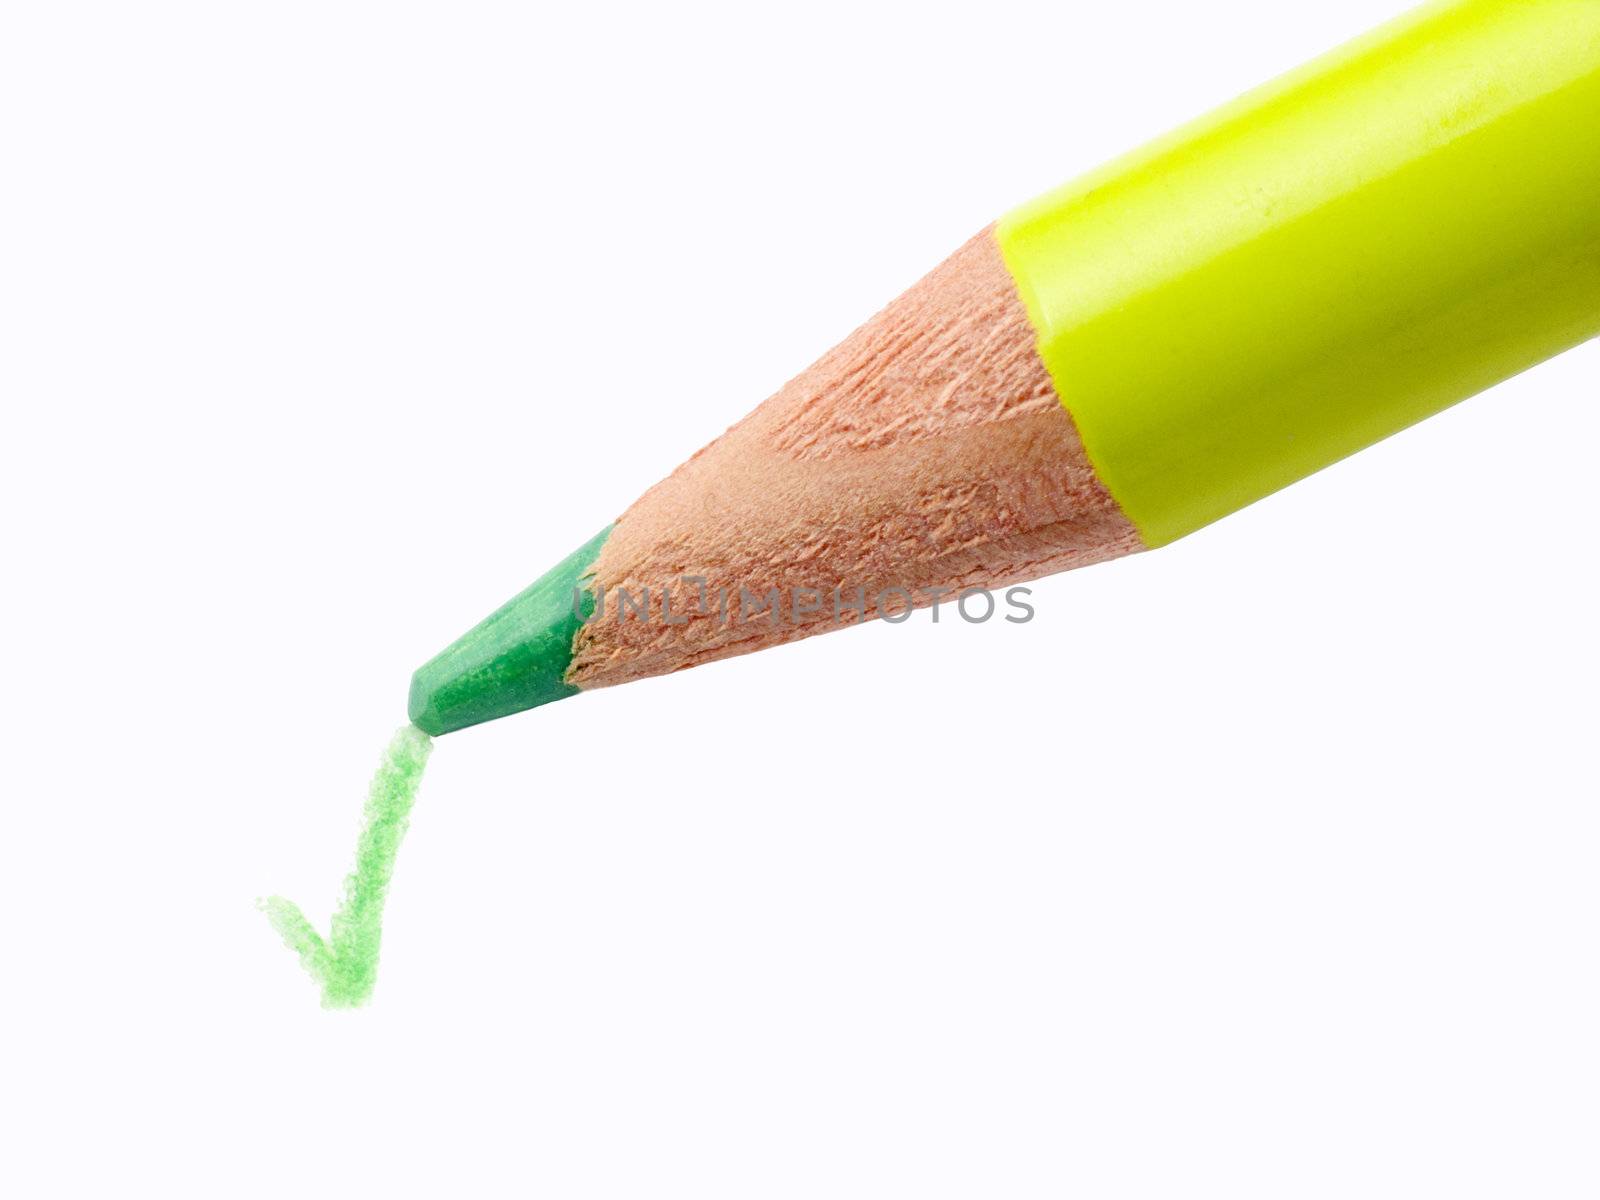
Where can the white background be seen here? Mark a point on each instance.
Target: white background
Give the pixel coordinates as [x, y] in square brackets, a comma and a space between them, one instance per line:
[1262, 866]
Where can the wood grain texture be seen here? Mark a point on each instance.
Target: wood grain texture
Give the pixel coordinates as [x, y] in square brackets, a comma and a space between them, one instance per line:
[928, 450]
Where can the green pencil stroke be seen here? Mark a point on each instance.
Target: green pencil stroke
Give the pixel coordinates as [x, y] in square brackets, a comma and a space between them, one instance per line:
[345, 964]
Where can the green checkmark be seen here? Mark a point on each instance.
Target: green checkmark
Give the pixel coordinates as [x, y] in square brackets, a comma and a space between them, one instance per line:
[345, 965]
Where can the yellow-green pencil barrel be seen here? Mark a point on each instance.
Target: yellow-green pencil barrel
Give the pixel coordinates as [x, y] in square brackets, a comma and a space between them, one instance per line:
[1331, 258]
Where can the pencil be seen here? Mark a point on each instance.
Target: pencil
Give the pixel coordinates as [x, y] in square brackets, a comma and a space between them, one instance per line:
[1325, 261]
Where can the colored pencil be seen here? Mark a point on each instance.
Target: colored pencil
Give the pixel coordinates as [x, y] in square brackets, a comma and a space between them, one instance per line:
[1327, 260]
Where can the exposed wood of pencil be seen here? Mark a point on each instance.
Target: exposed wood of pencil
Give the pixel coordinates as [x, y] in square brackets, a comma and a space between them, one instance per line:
[928, 450]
